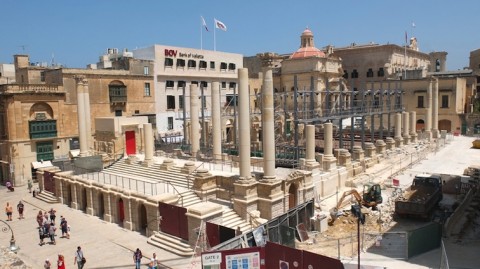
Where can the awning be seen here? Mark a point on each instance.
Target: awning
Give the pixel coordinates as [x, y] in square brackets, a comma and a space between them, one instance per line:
[36, 165]
[74, 153]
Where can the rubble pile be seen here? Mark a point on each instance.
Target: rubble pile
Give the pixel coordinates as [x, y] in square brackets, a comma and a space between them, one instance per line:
[10, 260]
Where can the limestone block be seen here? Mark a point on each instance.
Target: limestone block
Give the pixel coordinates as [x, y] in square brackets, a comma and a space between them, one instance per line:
[370, 150]
[188, 168]
[167, 164]
[390, 143]
[358, 153]
[381, 146]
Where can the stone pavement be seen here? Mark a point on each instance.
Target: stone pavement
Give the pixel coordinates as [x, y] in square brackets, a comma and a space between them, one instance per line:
[105, 245]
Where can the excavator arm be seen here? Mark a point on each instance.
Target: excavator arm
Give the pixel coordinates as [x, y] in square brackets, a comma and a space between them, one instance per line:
[334, 211]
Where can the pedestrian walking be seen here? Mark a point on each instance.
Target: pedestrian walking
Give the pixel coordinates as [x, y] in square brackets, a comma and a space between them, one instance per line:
[20, 208]
[64, 227]
[9, 211]
[29, 185]
[154, 261]
[45, 217]
[137, 258]
[47, 264]
[79, 258]
[51, 233]
[61, 262]
[40, 218]
[41, 235]
[52, 215]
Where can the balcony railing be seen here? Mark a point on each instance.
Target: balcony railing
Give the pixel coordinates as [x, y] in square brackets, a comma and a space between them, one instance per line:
[31, 88]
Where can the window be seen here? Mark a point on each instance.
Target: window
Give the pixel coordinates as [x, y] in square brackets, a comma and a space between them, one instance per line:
[370, 73]
[170, 123]
[180, 101]
[192, 64]
[194, 82]
[117, 93]
[170, 102]
[180, 63]
[202, 65]
[381, 72]
[212, 65]
[204, 84]
[223, 66]
[444, 101]
[43, 128]
[146, 90]
[376, 102]
[137, 111]
[231, 66]
[345, 74]
[146, 70]
[181, 84]
[232, 85]
[354, 73]
[231, 100]
[169, 83]
[420, 101]
[118, 113]
[42, 76]
[168, 62]
[224, 85]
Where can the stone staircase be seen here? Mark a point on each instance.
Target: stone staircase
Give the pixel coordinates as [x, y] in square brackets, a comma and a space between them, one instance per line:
[47, 197]
[188, 198]
[171, 244]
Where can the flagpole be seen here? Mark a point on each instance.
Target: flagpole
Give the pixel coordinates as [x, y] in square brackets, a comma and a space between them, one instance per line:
[214, 38]
[201, 33]
[405, 57]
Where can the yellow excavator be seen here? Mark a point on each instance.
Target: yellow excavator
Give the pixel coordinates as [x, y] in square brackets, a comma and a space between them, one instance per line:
[372, 196]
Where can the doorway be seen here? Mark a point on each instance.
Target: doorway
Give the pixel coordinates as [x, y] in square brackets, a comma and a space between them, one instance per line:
[130, 142]
[292, 196]
[121, 212]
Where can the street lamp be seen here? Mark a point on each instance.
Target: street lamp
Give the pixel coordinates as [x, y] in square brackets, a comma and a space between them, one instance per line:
[13, 248]
[357, 212]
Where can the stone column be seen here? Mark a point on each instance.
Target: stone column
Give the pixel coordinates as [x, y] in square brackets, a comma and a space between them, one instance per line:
[268, 127]
[74, 204]
[216, 122]
[329, 161]
[148, 138]
[107, 216]
[406, 125]
[128, 222]
[244, 124]
[90, 205]
[88, 115]
[428, 112]
[194, 124]
[82, 125]
[310, 148]
[413, 126]
[435, 109]
[398, 130]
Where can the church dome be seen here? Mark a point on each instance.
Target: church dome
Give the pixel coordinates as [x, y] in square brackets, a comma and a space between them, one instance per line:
[307, 47]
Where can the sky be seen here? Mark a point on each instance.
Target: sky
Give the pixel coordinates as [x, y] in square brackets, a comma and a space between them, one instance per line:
[76, 33]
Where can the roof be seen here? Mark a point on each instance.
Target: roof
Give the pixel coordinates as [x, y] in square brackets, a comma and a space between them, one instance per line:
[307, 52]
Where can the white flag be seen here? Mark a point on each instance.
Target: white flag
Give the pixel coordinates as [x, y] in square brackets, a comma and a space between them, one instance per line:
[220, 25]
[204, 23]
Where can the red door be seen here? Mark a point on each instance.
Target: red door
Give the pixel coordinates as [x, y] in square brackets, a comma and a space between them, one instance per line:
[121, 211]
[130, 142]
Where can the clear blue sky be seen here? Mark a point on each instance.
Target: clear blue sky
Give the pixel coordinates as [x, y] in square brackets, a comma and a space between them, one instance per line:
[77, 32]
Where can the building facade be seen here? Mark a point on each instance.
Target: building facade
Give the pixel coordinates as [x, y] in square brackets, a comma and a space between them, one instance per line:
[175, 69]
[39, 114]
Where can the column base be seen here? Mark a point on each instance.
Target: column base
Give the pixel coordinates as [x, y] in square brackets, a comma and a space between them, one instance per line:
[329, 163]
[128, 225]
[74, 205]
[107, 217]
[428, 135]
[406, 140]
[435, 133]
[147, 163]
[90, 211]
[398, 142]
[311, 164]
[413, 138]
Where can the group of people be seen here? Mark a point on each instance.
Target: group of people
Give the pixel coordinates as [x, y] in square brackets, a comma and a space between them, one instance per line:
[137, 259]
[46, 226]
[79, 260]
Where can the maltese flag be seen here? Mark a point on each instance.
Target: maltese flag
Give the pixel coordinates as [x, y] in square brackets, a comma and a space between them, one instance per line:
[220, 25]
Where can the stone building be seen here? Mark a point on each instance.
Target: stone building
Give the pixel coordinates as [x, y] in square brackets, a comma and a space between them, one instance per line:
[39, 113]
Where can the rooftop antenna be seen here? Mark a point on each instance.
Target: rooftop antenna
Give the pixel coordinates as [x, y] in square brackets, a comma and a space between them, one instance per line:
[23, 47]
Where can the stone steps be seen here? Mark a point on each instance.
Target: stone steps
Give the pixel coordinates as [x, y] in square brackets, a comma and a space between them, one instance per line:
[47, 197]
[171, 244]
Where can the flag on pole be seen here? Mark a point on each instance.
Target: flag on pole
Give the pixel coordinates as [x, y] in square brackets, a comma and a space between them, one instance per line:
[413, 24]
[204, 23]
[406, 38]
[220, 25]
